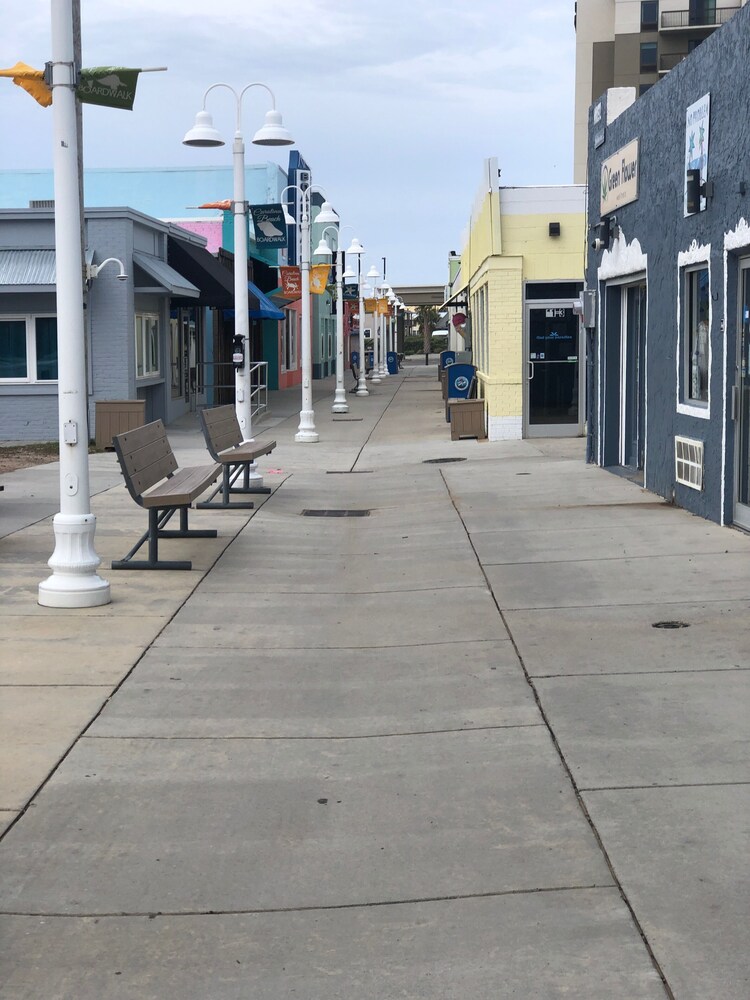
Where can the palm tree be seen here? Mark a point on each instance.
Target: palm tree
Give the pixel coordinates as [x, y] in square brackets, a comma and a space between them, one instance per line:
[428, 318]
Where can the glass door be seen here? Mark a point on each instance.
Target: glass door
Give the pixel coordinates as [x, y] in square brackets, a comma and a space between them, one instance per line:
[633, 379]
[553, 367]
[742, 403]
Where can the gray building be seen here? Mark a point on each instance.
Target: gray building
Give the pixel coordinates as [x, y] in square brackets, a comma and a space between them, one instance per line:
[669, 263]
[634, 43]
[147, 337]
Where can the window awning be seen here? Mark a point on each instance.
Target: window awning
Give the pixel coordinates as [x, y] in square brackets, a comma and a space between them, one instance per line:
[259, 305]
[280, 298]
[214, 281]
[459, 299]
[30, 270]
[166, 276]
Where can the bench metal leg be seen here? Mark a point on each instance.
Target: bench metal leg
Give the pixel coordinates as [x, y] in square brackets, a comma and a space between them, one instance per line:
[230, 475]
[157, 518]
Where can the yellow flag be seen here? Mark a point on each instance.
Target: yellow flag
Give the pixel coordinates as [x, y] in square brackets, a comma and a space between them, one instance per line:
[384, 308]
[31, 80]
[371, 305]
[319, 278]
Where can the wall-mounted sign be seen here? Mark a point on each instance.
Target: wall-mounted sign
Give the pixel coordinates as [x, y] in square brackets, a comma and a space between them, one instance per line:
[696, 149]
[619, 179]
[269, 225]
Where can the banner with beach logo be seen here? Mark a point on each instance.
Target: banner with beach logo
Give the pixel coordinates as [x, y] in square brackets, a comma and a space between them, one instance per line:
[110, 86]
[269, 225]
[319, 278]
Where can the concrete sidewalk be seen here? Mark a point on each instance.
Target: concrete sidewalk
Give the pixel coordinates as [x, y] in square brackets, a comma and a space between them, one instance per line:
[437, 751]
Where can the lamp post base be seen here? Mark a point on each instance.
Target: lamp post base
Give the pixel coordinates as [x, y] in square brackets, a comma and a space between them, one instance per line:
[74, 582]
[306, 432]
[340, 404]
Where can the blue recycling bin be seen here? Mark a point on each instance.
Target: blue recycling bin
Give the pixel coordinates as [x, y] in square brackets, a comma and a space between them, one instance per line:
[446, 359]
[460, 381]
[355, 358]
[392, 362]
[370, 360]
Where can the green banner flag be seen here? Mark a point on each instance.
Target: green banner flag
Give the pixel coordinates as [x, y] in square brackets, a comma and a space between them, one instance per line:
[111, 86]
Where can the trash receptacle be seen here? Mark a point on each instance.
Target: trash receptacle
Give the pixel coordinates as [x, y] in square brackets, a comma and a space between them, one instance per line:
[392, 362]
[115, 416]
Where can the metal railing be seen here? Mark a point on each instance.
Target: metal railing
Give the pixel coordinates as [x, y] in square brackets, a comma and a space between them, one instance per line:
[671, 60]
[690, 19]
[217, 381]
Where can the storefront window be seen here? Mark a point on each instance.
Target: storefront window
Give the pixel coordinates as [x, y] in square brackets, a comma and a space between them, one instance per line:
[696, 335]
[28, 349]
[146, 345]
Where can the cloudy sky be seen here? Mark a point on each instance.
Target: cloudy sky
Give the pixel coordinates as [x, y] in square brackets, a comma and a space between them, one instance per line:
[395, 104]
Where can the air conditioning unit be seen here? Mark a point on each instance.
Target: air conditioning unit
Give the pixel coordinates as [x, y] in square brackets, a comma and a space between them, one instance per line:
[688, 462]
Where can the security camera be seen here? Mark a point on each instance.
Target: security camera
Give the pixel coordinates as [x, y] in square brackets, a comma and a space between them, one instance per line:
[598, 244]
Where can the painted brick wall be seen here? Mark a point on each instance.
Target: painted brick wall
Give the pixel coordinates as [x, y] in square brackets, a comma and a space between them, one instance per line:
[719, 66]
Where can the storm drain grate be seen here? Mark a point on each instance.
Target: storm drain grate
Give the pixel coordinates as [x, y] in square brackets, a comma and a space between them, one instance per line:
[347, 420]
[349, 472]
[335, 513]
[440, 461]
[670, 625]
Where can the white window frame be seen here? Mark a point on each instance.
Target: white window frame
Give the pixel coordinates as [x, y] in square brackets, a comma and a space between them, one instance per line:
[695, 259]
[142, 339]
[29, 320]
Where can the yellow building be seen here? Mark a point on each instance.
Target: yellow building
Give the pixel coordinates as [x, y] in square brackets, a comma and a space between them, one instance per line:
[521, 272]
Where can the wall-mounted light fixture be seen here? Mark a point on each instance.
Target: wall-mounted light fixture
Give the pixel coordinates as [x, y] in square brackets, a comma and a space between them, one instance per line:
[554, 228]
[92, 270]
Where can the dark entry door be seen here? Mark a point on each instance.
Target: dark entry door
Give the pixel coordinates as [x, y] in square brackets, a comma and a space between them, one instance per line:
[742, 406]
[553, 369]
[634, 387]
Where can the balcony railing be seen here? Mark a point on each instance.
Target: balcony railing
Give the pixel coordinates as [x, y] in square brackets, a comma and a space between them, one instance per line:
[691, 19]
[670, 60]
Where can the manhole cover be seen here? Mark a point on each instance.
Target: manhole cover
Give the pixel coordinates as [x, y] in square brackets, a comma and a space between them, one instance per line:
[440, 461]
[670, 625]
[335, 513]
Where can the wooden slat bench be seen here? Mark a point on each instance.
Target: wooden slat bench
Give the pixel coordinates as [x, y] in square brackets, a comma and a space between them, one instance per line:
[223, 435]
[156, 483]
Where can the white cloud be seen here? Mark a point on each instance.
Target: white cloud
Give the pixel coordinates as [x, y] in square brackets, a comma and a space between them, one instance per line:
[394, 104]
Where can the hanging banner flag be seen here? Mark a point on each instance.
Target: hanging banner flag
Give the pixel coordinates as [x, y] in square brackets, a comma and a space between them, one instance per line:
[291, 280]
[270, 228]
[351, 293]
[384, 308]
[31, 80]
[110, 86]
[371, 305]
[319, 278]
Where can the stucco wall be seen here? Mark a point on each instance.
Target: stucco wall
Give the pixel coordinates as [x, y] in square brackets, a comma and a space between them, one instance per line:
[656, 220]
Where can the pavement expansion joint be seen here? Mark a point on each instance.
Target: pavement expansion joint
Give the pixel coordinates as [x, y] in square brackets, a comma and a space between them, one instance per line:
[365, 904]
[657, 785]
[319, 739]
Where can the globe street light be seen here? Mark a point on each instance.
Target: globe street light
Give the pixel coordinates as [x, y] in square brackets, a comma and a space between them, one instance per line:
[323, 249]
[204, 135]
[74, 582]
[373, 274]
[306, 432]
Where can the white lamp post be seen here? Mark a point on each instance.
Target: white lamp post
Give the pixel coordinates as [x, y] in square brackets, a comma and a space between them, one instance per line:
[323, 249]
[373, 274]
[204, 135]
[306, 433]
[74, 582]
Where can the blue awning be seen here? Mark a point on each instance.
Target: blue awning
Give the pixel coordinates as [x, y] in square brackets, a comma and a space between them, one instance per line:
[260, 306]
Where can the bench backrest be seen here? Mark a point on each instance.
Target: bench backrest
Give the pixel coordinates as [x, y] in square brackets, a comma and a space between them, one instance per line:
[221, 428]
[145, 457]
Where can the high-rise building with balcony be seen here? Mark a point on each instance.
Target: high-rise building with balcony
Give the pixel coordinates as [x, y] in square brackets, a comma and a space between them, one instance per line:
[633, 43]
